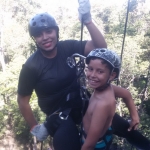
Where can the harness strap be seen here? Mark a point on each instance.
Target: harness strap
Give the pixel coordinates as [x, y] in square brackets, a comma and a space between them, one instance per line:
[104, 138]
[64, 111]
[64, 114]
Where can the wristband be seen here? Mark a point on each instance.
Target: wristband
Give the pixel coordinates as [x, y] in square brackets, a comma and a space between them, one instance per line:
[33, 127]
[88, 23]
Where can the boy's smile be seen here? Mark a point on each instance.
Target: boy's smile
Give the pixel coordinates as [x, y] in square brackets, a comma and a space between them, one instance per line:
[98, 74]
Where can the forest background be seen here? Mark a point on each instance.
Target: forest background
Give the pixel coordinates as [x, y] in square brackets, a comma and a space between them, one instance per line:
[16, 46]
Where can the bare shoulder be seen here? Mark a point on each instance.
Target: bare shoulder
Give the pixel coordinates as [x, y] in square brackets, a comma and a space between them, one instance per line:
[121, 92]
[118, 88]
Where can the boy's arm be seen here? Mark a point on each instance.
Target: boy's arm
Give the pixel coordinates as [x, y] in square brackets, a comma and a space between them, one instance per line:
[126, 95]
[100, 122]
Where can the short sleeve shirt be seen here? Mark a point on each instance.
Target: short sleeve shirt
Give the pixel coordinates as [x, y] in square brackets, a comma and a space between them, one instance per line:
[50, 77]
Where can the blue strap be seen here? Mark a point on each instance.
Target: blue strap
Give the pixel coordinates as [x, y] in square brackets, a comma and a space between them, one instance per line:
[103, 141]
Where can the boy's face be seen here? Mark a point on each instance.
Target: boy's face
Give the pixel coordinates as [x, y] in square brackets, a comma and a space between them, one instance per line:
[97, 73]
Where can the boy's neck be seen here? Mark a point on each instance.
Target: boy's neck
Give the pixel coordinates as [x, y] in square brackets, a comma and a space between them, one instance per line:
[102, 88]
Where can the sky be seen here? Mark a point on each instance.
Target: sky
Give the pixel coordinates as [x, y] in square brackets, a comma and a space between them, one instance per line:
[72, 5]
[52, 6]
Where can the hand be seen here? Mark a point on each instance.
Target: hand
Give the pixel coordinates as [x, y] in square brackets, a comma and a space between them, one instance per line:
[84, 11]
[133, 124]
[40, 132]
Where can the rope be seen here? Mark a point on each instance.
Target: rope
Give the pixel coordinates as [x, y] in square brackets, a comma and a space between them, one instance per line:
[125, 28]
[124, 35]
[81, 33]
[81, 60]
[42, 145]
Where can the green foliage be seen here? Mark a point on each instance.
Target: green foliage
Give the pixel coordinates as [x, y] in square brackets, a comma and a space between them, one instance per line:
[146, 106]
[144, 126]
[21, 129]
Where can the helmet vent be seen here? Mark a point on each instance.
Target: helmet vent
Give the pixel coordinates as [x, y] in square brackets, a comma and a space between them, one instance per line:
[42, 20]
[102, 50]
[34, 24]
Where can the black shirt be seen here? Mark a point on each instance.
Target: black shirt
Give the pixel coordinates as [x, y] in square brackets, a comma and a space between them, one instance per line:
[51, 78]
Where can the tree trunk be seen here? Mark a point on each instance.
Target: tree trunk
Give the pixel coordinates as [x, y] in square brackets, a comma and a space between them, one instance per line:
[2, 61]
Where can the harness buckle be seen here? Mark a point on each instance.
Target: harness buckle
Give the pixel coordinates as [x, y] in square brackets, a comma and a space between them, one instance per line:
[63, 116]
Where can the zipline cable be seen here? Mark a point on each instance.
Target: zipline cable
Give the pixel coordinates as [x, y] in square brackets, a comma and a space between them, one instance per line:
[81, 32]
[124, 35]
[125, 29]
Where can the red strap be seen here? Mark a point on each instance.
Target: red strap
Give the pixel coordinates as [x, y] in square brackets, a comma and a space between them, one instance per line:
[33, 127]
[88, 23]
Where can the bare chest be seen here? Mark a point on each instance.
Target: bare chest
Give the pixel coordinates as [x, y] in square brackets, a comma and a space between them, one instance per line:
[88, 115]
[89, 111]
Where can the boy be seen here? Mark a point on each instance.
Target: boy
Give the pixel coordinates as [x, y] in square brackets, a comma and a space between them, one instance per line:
[103, 66]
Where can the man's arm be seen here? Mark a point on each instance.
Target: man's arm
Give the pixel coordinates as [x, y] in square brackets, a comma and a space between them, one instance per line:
[100, 122]
[38, 130]
[25, 108]
[126, 96]
[97, 41]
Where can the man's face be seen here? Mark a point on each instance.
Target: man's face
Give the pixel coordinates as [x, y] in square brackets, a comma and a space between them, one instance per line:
[46, 39]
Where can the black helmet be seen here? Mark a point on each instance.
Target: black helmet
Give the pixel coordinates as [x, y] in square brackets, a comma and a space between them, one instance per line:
[108, 55]
[41, 21]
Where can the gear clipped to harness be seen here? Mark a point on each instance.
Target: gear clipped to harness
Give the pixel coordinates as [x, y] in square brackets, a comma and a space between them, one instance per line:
[77, 60]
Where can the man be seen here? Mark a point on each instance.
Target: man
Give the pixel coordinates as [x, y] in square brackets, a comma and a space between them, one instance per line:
[55, 84]
[47, 72]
